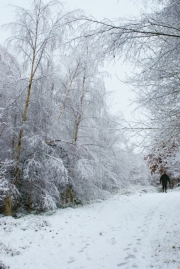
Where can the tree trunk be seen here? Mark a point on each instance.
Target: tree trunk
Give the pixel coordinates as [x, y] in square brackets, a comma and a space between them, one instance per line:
[67, 92]
[32, 74]
[22, 130]
[13, 139]
[8, 206]
[79, 116]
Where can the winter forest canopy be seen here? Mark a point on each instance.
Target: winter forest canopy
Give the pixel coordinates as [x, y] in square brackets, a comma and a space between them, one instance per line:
[59, 142]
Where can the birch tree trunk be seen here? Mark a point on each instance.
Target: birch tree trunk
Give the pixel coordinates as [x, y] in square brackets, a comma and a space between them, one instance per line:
[24, 117]
[79, 116]
[68, 92]
[8, 206]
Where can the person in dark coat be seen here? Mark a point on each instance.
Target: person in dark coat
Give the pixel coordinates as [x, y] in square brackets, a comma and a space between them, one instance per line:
[164, 179]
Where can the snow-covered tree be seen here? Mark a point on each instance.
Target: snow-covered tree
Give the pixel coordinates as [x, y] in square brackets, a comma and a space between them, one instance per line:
[151, 43]
[36, 34]
[63, 144]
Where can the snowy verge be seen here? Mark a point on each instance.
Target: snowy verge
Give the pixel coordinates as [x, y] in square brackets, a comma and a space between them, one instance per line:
[135, 189]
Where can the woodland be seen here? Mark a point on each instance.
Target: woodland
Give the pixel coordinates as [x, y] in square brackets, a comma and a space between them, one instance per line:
[59, 143]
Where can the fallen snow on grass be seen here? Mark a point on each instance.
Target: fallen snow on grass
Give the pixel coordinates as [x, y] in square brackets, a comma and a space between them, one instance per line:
[126, 231]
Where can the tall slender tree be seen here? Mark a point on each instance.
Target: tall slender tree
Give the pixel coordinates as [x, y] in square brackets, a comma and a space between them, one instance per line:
[37, 33]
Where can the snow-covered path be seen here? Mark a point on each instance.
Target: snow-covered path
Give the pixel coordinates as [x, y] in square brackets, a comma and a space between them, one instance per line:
[135, 231]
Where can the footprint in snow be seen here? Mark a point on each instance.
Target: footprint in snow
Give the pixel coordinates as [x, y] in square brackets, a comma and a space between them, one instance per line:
[89, 259]
[71, 259]
[122, 264]
[112, 241]
[130, 256]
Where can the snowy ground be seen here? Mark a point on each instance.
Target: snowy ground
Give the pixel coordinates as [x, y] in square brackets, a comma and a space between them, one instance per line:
[127, 231]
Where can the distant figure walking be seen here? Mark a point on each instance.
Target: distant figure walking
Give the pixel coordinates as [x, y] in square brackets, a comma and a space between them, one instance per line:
[163, 180]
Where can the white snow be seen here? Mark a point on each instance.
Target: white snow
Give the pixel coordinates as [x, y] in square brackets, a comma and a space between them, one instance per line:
[126, 231]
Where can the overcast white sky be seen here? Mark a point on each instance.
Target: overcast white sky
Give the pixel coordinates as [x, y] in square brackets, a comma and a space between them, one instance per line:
[100, 9]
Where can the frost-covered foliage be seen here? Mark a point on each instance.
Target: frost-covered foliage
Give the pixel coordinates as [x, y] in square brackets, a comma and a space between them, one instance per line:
[151, 43]
[7, 188]
[64, 145]
[158, 90]
[159, 156]
[44, 176]
[139, 171]
[4, 183]
[175, 164]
